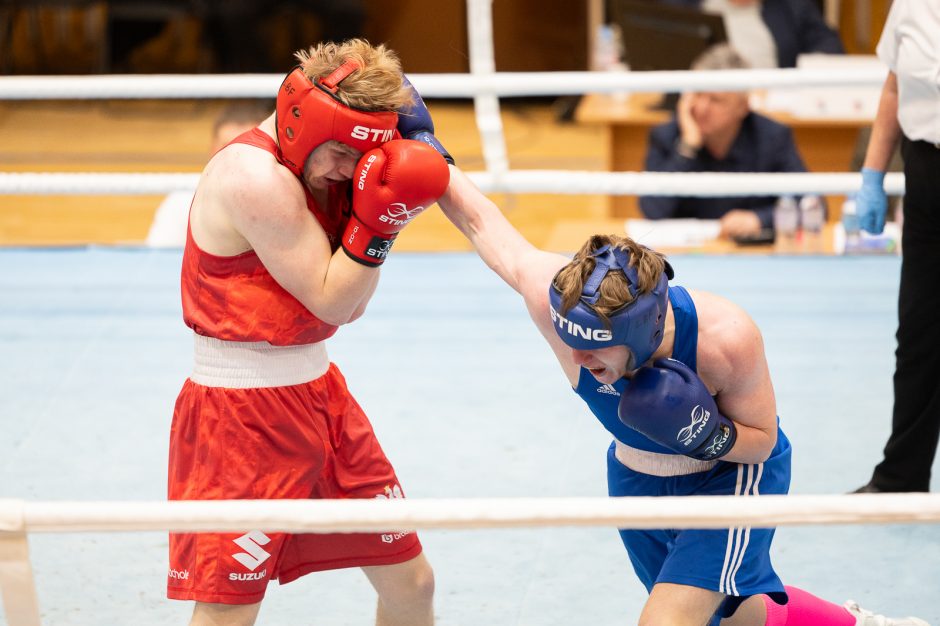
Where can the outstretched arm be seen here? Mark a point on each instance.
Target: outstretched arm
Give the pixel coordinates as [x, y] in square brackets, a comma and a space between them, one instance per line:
[521, 265]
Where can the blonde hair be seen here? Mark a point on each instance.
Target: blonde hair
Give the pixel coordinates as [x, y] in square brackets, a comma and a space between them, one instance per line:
[613, 291]
[376, 86]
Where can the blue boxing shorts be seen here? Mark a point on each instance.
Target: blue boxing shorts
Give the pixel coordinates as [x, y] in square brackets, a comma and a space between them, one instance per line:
[732, 561]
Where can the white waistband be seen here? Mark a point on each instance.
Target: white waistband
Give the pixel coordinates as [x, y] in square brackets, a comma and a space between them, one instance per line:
[244, 365]
[657, 464]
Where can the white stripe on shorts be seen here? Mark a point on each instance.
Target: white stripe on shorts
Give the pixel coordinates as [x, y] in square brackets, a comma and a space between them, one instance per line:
[748, 483]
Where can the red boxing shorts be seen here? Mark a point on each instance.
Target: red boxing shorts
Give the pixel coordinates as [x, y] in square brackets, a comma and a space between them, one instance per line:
[309, 440]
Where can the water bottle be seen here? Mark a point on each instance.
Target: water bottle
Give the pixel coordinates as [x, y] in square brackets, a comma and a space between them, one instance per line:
[812, 219]
[608, 54]
[850, 225]
[786, 223]
[605, 48]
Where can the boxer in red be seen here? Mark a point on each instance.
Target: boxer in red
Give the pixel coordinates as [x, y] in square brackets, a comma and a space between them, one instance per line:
[288, 227]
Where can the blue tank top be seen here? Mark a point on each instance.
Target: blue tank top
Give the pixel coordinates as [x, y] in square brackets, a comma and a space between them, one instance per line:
[603, 400]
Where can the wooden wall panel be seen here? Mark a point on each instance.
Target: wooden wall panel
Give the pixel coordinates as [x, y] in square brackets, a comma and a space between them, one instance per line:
[529, 35]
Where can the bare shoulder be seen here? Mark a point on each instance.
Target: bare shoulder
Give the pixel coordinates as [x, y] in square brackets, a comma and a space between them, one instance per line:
[252, 179]
[729, 342]
[243, 190]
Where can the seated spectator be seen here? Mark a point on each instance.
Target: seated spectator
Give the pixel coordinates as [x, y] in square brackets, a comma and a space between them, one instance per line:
[772, 33]
[718, 132]
[168, 229]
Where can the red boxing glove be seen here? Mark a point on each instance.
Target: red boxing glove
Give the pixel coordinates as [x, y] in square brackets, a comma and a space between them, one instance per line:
[392, 185]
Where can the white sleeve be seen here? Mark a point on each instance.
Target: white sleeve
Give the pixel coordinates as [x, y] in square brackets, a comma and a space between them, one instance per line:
[887, 49]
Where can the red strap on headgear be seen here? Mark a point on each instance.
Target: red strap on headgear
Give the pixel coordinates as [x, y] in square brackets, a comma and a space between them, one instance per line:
[331, 82]
[309, 114]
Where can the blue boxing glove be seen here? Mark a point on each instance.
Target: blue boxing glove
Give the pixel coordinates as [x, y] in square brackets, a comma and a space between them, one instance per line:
[414, 122]
[670, 404]
[871, 202]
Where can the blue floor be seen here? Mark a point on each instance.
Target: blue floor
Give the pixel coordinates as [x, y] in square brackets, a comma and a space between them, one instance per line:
[468, 402]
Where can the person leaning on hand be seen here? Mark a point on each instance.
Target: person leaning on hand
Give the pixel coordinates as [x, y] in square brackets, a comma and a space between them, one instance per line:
[909, 113]
[718, 132]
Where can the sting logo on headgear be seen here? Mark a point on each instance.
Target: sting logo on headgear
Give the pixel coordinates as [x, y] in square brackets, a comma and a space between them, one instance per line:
[638, 324]
[309, 113]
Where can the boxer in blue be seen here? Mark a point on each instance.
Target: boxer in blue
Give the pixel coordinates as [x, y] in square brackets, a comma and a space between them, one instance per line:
[680, 380]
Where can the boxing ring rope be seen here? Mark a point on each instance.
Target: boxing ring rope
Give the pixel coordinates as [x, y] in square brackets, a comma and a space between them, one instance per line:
[18, 517]
[503, 84]
[517, 181]
[485, 87]
[329, 516]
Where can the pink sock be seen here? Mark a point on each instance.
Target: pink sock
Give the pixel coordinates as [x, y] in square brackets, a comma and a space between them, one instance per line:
[805, 609]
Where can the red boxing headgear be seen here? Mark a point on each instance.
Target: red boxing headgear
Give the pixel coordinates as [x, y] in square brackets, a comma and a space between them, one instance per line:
[309, 114]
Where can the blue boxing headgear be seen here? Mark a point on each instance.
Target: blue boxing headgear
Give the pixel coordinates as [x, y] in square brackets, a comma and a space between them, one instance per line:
[638, 324]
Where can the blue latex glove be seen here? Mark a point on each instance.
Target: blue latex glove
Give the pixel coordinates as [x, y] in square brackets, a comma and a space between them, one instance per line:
[415, 122]
[871, 202]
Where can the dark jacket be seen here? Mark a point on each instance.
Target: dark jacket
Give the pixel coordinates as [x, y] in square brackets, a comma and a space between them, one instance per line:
[797, 26]
[762, 145]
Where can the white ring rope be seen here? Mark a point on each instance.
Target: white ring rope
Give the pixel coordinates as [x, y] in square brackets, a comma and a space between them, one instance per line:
[85, 184]
[504, 84]
[484, 85]
[518, 181]
[379, 515]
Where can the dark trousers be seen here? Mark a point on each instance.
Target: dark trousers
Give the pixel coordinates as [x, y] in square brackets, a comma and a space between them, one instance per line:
[915, 426]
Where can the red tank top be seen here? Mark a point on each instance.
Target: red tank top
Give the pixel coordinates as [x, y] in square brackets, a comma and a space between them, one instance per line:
[235, 298]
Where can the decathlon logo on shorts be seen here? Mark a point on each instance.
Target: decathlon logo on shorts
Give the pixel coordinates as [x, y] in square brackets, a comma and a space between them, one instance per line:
[608, 389]
[699, 420]
[178, 574]
[392, 492]
[253, 555]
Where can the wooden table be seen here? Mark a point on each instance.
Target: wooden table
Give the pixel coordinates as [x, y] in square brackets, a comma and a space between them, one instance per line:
[826, 144]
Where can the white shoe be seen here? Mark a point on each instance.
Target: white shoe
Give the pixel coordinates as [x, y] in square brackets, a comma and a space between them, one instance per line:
[864, 617]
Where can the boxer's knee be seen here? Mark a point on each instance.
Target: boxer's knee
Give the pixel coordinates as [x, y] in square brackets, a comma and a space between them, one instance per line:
[403, 586]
